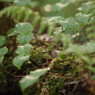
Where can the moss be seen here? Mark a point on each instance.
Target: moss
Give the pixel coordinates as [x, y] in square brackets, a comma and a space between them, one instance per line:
[64, 70]
[55, 85]
[39, 55]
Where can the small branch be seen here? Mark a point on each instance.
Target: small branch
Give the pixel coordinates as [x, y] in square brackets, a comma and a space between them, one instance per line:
[83, 31]
[17, 76]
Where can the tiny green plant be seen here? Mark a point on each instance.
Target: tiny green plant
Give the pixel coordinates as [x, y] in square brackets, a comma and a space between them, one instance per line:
[32, 78]
[23, 55]
[24, 36]
[3, 50]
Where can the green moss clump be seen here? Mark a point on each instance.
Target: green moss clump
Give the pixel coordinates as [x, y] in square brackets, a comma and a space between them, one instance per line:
[64, 69]
[39, 55]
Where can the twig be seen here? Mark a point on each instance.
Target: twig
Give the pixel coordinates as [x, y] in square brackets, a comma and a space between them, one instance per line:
[18, 76]
[75, 87]
[83, 31]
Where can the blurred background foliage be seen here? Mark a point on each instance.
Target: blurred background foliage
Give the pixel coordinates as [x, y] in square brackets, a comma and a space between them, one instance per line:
[64, 8]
